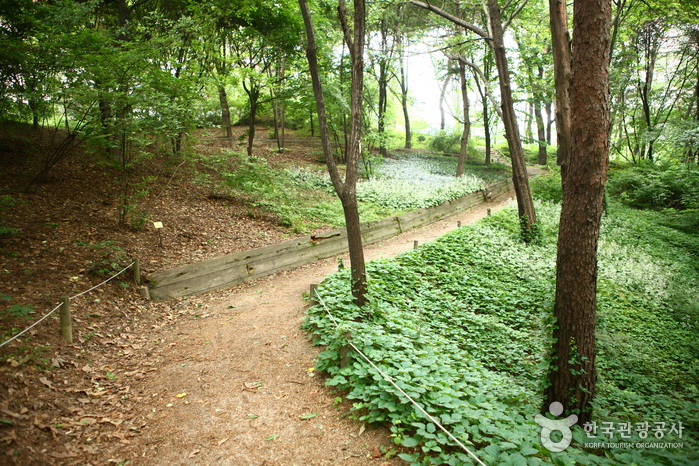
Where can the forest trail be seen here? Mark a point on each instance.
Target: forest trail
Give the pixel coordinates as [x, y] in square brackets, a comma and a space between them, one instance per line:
[238, 388]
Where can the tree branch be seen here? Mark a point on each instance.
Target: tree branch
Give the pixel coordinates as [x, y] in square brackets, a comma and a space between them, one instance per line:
[346, 31]
[514, 14]
[486, 85]
[452, 18]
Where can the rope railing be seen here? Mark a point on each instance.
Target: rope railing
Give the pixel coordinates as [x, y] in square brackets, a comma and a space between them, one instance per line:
[390, 380]
[70, 298]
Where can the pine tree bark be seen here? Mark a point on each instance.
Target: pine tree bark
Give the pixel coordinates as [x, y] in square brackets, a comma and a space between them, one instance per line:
[573, 373]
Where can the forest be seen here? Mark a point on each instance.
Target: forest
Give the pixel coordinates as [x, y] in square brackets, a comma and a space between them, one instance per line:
[559, 330]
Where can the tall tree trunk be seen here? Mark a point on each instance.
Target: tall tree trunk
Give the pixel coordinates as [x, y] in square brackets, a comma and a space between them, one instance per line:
[225, 111]
[253, 92]
[573, 373]
[486, 117]
[561, 71]
[404, 101]
[525, 203]
[383, 88]
[346, 190]
[541, 133]
[463, 150]
[549, 121]
[442, 93]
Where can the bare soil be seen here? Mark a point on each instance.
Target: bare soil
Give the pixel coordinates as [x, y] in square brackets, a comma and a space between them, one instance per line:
[221, 378]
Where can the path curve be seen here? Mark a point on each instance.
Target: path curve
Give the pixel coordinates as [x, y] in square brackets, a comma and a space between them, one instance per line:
[237, 388]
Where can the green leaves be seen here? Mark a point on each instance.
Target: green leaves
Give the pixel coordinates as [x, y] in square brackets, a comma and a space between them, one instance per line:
[462, 325]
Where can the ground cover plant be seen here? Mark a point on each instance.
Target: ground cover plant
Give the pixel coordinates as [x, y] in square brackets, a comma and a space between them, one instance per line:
[462, 324]
[303, 197]
[655, 186]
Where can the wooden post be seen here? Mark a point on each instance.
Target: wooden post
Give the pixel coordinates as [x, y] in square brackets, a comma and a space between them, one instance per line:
[489, 211]
[66, 324]
[137, 271]
[458, 224]
[344, 351]
[312, 293]
[144, 291]
[415, 243]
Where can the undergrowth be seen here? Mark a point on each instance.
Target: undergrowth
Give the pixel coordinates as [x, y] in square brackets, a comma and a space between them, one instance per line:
[305, 199]
[463, 325]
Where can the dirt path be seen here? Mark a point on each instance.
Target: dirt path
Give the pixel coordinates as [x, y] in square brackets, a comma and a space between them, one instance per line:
[237, 388]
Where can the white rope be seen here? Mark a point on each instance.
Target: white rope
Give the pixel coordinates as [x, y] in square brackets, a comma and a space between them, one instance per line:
[57, 307]
[110, 278]
[388, 379]
[30, 327]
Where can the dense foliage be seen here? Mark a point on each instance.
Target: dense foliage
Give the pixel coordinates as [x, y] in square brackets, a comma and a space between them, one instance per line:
[303, 198]
[653, 186]
[462, 323]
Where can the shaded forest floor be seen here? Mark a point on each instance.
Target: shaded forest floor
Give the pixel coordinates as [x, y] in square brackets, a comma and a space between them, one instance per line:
[215, 379]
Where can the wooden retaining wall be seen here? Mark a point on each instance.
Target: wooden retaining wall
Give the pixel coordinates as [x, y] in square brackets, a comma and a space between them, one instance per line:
[232, 269]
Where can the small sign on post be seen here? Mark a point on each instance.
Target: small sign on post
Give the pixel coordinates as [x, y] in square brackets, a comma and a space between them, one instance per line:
[159, 226]
[66, 324]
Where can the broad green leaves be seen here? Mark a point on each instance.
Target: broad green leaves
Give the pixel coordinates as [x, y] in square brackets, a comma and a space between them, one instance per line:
[461, 325]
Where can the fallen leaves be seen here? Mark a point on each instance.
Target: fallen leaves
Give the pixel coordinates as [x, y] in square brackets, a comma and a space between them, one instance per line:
[46, 382]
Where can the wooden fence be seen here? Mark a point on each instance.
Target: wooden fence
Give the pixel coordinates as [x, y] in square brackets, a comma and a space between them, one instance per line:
[232, 269]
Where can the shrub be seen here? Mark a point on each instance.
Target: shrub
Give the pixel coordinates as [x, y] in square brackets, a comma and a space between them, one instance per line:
[547, 187]
[655, 187]
[446, 142]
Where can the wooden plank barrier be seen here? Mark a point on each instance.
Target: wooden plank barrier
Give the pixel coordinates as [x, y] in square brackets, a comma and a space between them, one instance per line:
[232, 269]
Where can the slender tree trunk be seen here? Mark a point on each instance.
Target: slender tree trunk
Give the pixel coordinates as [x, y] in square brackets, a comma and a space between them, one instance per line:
[404, 102]
[541, 134]
[549, 121]
[383, 88]
[463, 151]
[346, 190]
[225, 111]
[486, 119]
[312, 125]
[573, 373]
[561, 70]
[253, 93]
[442, 93]
[525, 203]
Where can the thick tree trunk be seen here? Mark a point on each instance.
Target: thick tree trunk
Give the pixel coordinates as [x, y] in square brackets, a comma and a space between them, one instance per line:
[463, 151]
[561, 70]
[573, 373]
[525, 203]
